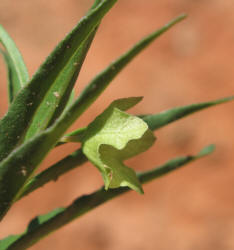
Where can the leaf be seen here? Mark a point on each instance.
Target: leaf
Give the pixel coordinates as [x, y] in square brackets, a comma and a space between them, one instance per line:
[174, 164]
[58, 95]
[156, 121]
[113, 137]
[14, 125]
[8, 241]
[94, 89]
[43, 225]
[72, 95]
[13, 86]
[17, 71]
[162, 119]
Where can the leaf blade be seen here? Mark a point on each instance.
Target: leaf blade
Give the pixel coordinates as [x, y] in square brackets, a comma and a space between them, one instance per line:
[94, 89]
[17, 71]
[164, 118]
[58, 95]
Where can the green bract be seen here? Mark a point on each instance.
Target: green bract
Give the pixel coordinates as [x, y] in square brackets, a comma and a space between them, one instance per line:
[43, 107]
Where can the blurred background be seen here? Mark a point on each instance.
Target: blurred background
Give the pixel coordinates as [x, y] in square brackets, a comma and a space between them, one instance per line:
[190, 209]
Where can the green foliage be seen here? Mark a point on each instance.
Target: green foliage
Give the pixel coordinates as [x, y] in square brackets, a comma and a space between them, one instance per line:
[44, 107]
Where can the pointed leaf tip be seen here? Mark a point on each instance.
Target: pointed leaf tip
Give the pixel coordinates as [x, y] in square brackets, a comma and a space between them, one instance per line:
[207, 150]
[163, 118]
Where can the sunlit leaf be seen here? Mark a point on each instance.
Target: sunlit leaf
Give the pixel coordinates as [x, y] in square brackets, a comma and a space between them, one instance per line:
[113, 137]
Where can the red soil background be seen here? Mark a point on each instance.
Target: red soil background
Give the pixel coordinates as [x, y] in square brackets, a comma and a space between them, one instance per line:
[190, 209]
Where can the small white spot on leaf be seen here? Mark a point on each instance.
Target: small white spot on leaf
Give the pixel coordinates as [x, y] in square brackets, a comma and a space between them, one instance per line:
[56, 94]
[23, 171]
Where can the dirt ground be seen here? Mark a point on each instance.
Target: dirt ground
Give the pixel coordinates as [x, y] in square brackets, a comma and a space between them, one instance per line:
[190, 209]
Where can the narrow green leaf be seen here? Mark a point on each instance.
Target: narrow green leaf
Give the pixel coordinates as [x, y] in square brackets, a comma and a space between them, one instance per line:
[162, 119]
[72, 95]
[13, 86]
[174, 164]
[113, 137]
[17, 71]
[60, 92]
[7, 242]
[43, 225]
[156, 121]
[94, 89]
[15, 123]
